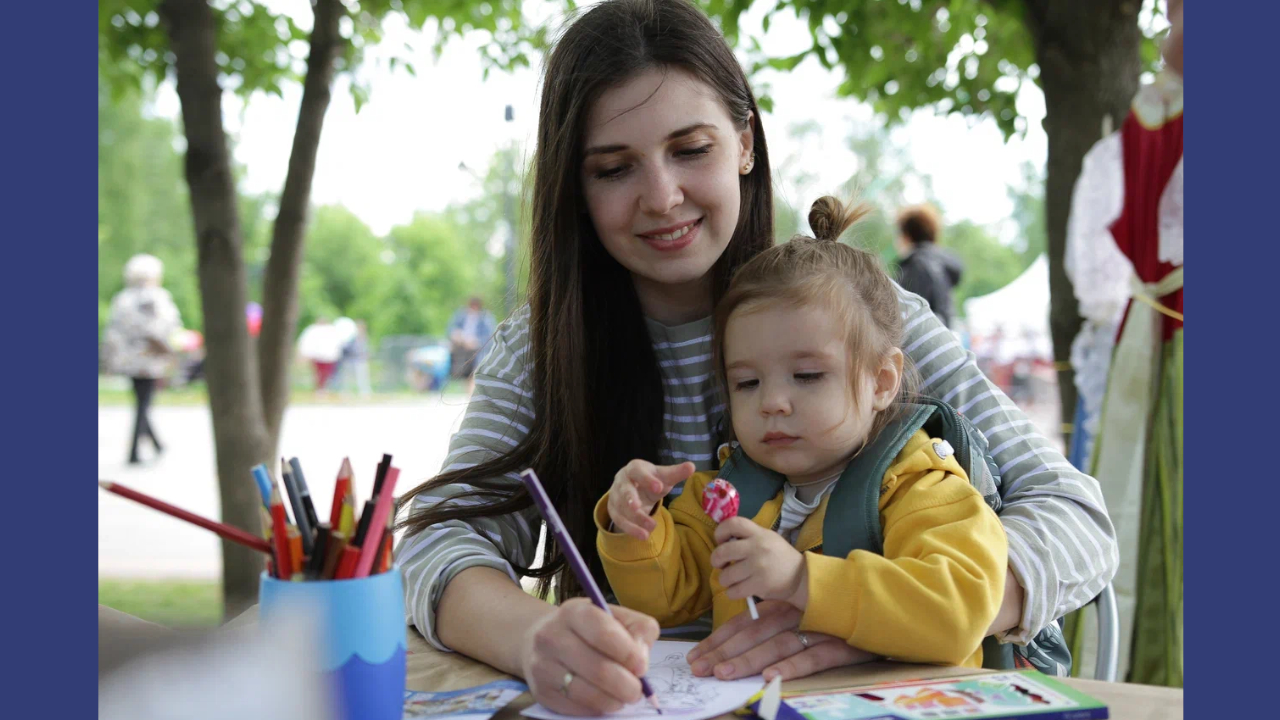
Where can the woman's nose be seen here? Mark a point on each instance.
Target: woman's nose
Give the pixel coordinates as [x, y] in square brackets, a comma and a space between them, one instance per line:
[661, 193]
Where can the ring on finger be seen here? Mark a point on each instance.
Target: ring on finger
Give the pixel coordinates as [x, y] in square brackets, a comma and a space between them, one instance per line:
[564, 684]
[803, 638]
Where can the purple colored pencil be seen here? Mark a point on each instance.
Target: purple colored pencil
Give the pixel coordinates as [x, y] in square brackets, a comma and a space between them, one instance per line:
[576, 563]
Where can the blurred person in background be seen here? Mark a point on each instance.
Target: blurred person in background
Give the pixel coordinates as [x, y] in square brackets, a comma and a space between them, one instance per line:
[355, 359]
[469, 333]
[137, 341]
[321, 345]
[924, 268]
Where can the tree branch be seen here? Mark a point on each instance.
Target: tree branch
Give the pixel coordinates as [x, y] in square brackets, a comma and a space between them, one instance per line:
[280, 284]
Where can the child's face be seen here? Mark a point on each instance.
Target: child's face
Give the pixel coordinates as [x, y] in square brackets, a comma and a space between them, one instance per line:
[790, 394]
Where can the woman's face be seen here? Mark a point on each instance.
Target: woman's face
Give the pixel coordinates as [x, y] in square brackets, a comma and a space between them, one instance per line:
[660, 174]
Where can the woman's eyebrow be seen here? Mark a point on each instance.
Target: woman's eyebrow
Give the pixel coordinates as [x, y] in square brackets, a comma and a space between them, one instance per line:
[675, 134]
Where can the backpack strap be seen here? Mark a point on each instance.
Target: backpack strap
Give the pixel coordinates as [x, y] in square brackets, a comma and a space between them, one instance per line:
[852, 521]
[755, 483]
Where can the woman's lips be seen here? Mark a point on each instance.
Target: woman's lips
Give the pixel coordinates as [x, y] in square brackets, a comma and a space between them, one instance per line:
[673, 239]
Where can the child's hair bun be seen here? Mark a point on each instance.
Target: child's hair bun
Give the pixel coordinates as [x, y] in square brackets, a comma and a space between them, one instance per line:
[829, 217]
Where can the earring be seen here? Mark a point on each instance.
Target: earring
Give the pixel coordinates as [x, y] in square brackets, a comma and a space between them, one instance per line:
[746, 169]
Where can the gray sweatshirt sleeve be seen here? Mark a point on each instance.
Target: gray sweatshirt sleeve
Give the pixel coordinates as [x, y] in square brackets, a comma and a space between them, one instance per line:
[1062, 546]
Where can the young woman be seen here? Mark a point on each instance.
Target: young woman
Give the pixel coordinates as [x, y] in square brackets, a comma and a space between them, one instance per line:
[652, 185]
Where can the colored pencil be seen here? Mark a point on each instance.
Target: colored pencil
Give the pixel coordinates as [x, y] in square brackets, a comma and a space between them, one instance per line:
[297, 558]
[228, 532]
[305, 494]
[263, 479]
[280, 536]
[366, 517]
[340, 488]
[315, 563]
[588, 583]
[337, 543]
[386, 499]
[383, 466]
[299, 513]
[347, 563]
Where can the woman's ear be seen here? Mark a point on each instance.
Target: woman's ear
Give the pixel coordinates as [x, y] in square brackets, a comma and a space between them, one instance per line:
[747, 142]
[888, 380]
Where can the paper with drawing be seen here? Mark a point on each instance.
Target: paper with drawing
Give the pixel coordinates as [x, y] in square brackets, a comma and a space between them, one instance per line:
[681, 694]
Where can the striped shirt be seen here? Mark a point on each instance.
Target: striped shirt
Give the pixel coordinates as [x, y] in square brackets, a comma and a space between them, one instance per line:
[1062, 546]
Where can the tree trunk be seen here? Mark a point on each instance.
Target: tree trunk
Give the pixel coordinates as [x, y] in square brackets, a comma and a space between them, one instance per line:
[238, 430]
[280, 284]
[1089, 57]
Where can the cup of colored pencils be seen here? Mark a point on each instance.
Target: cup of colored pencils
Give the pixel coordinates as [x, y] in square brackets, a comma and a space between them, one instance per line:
[339, 571]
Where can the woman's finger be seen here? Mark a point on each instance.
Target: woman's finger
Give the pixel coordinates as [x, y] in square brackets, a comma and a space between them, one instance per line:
[618, 659]
[821, 655]
[641, 626]
[776, 649]
[745, 634]
[735, 625]
[579, 697]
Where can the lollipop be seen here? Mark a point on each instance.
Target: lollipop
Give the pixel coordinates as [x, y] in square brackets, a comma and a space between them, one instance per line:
[720, 502]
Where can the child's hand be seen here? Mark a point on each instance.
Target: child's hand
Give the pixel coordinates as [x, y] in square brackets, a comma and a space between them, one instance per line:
[756, 561]
[637, 488]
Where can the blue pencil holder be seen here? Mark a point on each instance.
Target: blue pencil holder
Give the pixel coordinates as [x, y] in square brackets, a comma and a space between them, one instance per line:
[363, 638]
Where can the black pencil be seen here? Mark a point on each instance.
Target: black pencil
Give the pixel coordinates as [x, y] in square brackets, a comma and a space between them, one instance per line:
[362, 529]
[305, 531]
[381, 475]
[316, 563]
[307, 505]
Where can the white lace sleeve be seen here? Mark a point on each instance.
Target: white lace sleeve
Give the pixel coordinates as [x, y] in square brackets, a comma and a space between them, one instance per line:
[1171, 219]
[1098, 270]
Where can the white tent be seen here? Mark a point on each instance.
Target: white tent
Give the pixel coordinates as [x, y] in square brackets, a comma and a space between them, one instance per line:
[1019, 311]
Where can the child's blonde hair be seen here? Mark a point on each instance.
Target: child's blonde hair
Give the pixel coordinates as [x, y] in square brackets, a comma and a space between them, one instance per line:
[848, 281]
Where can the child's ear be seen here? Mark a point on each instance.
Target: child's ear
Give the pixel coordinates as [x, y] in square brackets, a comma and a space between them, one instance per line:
[888, 379]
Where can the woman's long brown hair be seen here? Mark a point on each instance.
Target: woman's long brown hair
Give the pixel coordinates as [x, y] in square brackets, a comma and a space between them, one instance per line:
[597, 390]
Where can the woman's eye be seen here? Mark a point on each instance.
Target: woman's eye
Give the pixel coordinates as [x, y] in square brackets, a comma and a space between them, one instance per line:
[809, 377]
[610, 173]
[693, 152]
[745, 384]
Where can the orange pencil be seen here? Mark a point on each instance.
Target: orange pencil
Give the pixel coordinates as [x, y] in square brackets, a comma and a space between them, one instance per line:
[340, 489]
[384, 555]
[228, 532]
[280, 536]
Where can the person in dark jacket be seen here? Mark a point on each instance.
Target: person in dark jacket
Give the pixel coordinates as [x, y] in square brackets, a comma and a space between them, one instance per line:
[924, 268]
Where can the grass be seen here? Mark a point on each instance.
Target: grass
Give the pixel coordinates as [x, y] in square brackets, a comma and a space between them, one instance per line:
[186, 603]
[176, 603]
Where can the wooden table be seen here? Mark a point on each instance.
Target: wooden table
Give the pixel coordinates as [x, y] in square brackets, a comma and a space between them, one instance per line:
[429, 669]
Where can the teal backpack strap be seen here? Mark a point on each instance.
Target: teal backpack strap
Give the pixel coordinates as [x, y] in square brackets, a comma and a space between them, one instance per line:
[970, 446]
[755, 483]
[852, 521]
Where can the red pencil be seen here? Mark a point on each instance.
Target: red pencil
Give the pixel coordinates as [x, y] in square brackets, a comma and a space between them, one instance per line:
[340, 489]
[347, 563]
[229, 532]
[280, 536]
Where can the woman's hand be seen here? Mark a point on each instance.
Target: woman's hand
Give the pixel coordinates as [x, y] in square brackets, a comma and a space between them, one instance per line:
[743, 647]
[637, 488]
[606, 657]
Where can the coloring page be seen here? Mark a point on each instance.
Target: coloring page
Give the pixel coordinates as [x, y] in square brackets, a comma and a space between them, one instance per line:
[679, 692]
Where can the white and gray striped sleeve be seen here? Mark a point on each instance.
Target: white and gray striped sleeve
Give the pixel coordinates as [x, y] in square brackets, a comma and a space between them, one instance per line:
[497, 418]
[1062, 545]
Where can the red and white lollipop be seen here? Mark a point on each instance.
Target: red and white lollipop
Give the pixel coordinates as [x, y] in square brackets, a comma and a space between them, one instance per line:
[720, 502]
